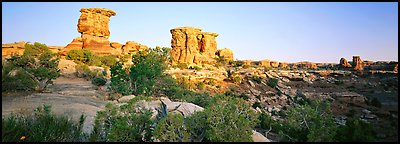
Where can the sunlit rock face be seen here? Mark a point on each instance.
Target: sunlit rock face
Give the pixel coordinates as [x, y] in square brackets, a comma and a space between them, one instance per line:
[191, 45]
[357, 63]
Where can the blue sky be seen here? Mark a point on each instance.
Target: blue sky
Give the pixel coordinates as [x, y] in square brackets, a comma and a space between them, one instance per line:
[287, 31]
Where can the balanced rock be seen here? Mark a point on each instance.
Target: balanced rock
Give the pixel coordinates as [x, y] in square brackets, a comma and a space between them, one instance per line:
[94, 29]
[357, 63]
[344, 63]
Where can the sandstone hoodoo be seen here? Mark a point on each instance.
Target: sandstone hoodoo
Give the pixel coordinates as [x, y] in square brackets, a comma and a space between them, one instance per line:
[357, 63]
[344, 63]
[191, 45]
[94, 29]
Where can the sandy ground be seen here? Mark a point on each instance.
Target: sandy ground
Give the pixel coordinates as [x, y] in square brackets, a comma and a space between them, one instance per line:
[70, 97]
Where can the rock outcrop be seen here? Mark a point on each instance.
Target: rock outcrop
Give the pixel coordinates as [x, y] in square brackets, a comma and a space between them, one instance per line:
[395, 68]
[265, 63]
[225, 53]
[357, 63]
[131, 47]
[344, 64]
[16, 48]
[191, 45]
[94, 29]
[67, 68]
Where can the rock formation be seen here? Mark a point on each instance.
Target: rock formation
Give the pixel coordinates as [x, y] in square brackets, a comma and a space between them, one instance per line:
[274, 64]
[344, 64]
[191, 45]
[357, 63]
[225, 53]
[265, 63]
[305, 65]
[132, 46]
[94, 29]
[16, 48]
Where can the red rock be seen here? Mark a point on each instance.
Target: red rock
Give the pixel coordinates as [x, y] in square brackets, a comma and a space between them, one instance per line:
[357, 63]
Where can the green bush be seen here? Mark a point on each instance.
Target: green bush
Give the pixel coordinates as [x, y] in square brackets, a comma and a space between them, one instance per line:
[146, 68]
[120, 81]
[39, 63]
[82, 55]
[42, 126]
[83, 71]
[108, 60]
[355, 130]
[99, 81]
[172, 129]
[376, 103]
[272, 82]
[195, 68]
[310, 122]
[181, 66]
[21, 81]
[122, 124]
[229, 119]
[256, 78]
[201, 86]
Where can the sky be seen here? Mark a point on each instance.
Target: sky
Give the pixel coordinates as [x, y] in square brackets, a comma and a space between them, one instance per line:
[280, 31]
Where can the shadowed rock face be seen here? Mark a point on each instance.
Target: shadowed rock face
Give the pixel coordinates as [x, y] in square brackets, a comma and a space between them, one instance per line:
[191, 45]
[357, 63]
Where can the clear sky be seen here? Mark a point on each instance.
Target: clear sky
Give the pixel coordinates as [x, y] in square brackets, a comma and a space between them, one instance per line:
[288, 31]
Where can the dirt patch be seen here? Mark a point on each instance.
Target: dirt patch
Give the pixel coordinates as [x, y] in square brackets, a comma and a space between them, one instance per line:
[71, 97]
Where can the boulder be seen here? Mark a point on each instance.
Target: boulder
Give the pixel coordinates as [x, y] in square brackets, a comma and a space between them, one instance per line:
[258, 137]
[67, 67]
[184, 108]
[133, 47]
[226, 53]
[125, 99]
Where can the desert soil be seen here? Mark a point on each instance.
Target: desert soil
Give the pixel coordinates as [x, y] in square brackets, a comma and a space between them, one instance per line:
[70, 97]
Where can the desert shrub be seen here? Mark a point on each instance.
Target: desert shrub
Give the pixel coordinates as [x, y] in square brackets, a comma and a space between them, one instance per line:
[210, 81]
[355, 130]
[245, 66]
[181, 66]
[172, 129]
[310, 122]
[237, 80]
[256, 78]
[229, 119]
[266, 122]
[82, 55]
[144, 71]
[14, 79]
[201, 86]
[99, 81]
[185, 83]
[272, 82]
[375, 102]
[39, 63]
[243, 96]
[256, 104]
[195, 68]
[108, 60]
[42, 126]
[120, 82]
[83, 71]
[122, 124]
